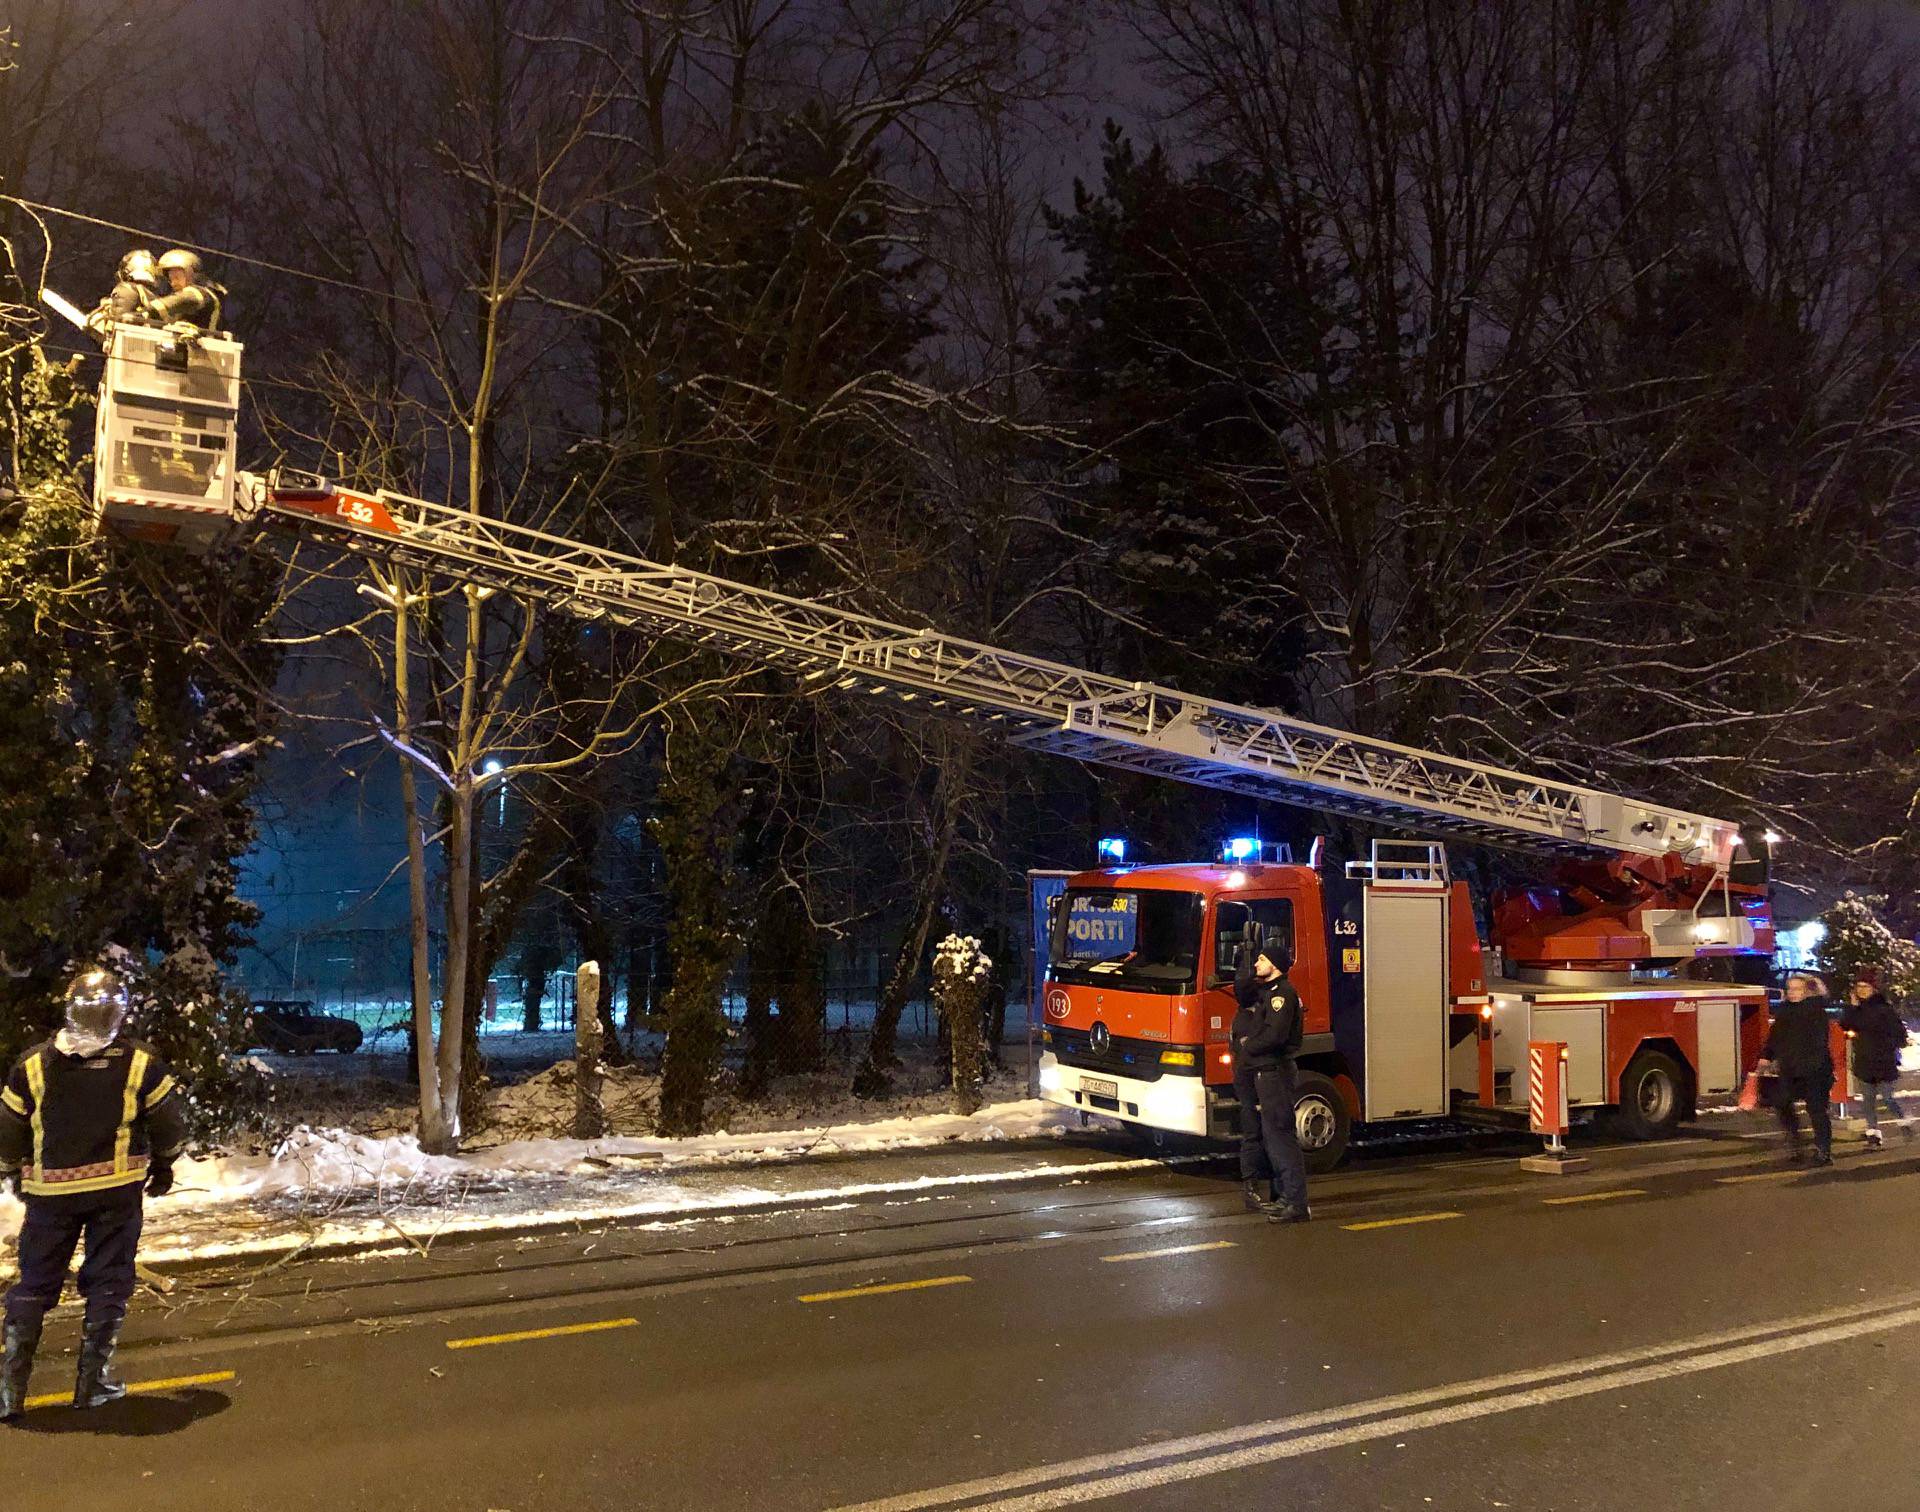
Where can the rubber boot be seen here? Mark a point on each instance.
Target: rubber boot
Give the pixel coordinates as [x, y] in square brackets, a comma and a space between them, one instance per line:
[22, 1340]
[94, 1384]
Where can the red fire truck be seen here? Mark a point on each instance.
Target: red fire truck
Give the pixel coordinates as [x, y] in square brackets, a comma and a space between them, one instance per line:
[1631, 963]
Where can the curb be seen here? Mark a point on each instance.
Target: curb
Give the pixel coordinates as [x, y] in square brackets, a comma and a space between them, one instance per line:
[401, 1234]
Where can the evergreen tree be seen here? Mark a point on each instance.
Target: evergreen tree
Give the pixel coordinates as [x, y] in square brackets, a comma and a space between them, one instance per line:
[131, 714]
[1856, 940]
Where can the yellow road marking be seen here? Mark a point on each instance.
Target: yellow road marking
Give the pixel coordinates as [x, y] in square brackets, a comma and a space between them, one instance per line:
[1177, 1249]
[1762, 1176]
[1595, 1196]
[1380, 1223]
[544, 1333]
[175, 1383]
[890, 1286]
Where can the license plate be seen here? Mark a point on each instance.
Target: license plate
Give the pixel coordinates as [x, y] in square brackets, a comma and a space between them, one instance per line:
[1094, 1087]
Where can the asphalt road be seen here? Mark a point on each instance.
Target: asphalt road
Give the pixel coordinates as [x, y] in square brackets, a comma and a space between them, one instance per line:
[1682, 1326]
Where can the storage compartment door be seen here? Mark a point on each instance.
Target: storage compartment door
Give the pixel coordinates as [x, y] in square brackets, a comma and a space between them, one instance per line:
[1405, 973]
[1718, 1057]
[1583, 1030]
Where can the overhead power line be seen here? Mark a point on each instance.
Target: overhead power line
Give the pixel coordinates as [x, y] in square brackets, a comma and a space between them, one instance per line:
[227, 253]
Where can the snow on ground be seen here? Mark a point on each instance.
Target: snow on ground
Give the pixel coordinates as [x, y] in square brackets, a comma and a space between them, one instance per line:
[329, 1160]
[327, 1187]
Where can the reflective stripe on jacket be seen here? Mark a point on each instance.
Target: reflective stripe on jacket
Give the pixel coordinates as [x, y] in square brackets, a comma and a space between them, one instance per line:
[86, 1123]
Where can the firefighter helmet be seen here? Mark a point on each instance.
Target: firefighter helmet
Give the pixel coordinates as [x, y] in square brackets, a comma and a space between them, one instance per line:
[138, 266]
[96, 1008]
[181, 258]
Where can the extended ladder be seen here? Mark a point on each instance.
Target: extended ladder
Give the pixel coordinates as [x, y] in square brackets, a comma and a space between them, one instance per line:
[1043, 704]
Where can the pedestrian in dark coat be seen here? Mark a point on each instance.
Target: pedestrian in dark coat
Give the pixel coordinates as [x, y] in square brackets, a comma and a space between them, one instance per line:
[1877, 1034]
[1265, 1039]
[1798, 1050]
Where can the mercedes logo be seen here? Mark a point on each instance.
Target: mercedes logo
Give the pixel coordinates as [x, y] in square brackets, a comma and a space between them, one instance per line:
[1099, 1038]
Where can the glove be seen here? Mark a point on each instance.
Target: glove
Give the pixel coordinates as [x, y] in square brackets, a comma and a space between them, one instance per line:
[160, 1178]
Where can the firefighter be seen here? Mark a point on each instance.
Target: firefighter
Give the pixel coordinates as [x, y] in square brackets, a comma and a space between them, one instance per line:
[136, 286]
[1265, 1039]
[87, 1120]
[191, 300]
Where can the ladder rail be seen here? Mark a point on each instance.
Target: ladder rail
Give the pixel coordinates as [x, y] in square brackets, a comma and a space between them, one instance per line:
[1046, 705]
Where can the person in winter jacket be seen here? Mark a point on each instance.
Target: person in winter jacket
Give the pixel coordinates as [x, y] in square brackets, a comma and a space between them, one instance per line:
[190, 299]
[137, 284]
[1802, 1064]
[88, 1119]
[1877, 1033]
[1265, 1039]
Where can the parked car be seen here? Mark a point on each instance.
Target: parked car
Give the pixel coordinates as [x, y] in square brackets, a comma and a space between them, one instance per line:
[295, 1029]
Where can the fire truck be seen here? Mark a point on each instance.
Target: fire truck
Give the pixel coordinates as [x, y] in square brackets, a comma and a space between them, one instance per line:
[1629, 952]
[1631, 964]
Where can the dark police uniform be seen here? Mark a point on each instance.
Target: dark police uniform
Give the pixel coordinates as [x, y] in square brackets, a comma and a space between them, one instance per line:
[83, 1134]
[1266, 1038]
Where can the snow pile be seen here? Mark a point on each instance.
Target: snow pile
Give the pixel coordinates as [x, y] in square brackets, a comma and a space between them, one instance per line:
[320, 1171]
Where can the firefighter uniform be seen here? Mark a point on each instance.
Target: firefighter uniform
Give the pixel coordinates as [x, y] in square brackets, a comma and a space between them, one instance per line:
[192, 301]
[83, 1130]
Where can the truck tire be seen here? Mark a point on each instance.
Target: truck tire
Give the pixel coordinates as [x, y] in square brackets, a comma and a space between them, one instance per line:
[1320, 1121]
[1653, 1096]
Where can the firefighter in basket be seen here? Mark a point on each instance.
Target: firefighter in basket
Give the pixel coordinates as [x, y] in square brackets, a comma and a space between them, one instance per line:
[137, 285]
[89, 1120]
[190, 300]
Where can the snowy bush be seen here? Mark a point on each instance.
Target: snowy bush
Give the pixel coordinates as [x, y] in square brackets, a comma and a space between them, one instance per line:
[1857, 940]
[962, 976]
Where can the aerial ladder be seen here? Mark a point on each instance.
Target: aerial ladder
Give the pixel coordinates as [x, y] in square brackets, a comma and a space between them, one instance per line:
[165, 472]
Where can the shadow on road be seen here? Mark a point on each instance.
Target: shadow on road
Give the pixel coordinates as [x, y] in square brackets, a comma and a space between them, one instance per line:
[131, 1417]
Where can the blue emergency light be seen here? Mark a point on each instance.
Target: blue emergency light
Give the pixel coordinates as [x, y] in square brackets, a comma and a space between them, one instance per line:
[1241, 848]
[1113, 848]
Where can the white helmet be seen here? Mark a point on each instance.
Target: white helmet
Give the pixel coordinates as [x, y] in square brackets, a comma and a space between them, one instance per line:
[96, 1008]
[187, 262]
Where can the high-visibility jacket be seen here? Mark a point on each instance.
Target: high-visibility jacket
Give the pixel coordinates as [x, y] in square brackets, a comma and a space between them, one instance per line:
[85, 1123]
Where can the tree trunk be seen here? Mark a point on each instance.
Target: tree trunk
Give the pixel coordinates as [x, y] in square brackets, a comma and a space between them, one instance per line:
[965, 1029]
[762, 971]
[803, 993]
[589, 1116]
[435, 1136]
[453, 997]
[696, 840]
[874, 1078]
[533, 992]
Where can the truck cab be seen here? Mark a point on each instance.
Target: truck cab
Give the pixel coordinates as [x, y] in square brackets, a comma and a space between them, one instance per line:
[1139, 1003]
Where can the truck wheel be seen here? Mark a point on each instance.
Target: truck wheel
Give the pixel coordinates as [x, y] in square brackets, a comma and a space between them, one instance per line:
[1653, 1096]
[1320, 1121]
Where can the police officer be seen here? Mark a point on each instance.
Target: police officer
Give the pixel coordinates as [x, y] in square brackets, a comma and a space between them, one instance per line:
[87, 1119]
[131, 302]
[1265, 1039]
[190, 300]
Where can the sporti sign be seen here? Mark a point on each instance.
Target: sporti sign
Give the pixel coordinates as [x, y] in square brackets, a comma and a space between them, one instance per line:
[1102, 924]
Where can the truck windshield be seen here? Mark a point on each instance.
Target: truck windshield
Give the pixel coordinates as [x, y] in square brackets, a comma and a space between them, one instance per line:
[1145, 941]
